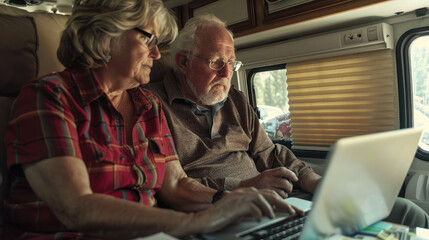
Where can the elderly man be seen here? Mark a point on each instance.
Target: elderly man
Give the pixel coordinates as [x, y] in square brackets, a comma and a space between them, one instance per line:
[217, 134]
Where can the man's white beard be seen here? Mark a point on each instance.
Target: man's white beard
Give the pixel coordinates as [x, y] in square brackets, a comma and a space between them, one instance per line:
[212, 95]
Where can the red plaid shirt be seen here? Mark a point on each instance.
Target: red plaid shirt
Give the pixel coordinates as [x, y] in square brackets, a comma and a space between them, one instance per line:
[68, 114]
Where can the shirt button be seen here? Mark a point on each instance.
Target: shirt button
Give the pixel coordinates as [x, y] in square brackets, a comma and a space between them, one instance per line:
[121, 157]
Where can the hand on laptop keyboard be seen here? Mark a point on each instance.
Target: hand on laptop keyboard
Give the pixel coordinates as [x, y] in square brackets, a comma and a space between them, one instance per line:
[241, 204]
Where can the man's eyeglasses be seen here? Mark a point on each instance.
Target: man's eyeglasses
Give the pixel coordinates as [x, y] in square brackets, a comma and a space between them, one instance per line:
[151, 40]
[218, 64]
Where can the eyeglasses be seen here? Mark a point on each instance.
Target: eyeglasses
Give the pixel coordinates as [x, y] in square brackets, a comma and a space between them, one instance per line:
[151, 40]
[218, 64]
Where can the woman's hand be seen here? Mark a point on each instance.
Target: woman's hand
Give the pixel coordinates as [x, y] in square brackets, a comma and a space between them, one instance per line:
[240, 204]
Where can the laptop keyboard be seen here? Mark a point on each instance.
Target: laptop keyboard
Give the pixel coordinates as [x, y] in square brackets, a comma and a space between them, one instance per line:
[287, 229]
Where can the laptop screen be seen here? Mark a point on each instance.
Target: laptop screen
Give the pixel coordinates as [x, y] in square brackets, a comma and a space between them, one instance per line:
[361, 182]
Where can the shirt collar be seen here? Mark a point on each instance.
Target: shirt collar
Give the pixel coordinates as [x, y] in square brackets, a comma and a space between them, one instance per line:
[88, 84]
[200, 109]
[172, 87]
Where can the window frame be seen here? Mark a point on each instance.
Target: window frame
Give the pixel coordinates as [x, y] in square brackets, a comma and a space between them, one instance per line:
[405, 93]
[252, 100]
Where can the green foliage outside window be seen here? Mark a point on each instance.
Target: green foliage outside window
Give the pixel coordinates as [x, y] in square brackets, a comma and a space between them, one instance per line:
[271, 89]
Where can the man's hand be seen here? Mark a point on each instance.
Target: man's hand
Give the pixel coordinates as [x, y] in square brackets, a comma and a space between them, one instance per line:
[277, 179]
[241, 204]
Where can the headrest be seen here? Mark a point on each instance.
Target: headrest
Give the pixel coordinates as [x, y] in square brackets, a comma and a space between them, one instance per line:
[18, 52]
[28, 46]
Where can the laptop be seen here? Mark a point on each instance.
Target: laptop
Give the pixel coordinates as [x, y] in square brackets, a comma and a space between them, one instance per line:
[360, 184]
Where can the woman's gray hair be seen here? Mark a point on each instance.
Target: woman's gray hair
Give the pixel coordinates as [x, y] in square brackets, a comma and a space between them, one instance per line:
[186, 41]
[94, 24]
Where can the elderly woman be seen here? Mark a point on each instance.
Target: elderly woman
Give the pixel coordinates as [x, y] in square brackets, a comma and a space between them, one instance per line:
[88, 149]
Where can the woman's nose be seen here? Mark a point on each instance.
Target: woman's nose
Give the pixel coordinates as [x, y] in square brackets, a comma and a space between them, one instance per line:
[155, 53]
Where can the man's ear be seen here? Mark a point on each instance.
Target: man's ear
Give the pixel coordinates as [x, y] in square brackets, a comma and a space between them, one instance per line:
[182, 62]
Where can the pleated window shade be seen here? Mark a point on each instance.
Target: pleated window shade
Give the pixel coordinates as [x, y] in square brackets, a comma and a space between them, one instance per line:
[342, 96]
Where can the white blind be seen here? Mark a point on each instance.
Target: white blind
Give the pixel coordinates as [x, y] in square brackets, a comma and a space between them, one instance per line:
[340, 97]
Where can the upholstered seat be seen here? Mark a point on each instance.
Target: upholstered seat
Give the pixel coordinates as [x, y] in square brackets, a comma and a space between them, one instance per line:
[28, 46]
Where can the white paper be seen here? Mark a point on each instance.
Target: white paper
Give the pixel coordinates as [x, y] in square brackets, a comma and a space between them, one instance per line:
[157, 236]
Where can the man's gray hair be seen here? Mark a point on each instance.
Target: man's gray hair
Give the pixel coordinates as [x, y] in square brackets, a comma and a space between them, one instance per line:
[186, 41]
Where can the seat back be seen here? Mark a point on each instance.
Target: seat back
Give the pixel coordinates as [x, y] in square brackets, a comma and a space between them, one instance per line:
[28, 46]
[5, 105]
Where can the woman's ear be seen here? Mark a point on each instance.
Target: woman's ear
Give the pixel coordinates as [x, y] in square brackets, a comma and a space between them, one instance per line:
[182, 62]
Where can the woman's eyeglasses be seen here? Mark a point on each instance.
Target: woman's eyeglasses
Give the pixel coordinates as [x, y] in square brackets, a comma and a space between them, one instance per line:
[151, 40]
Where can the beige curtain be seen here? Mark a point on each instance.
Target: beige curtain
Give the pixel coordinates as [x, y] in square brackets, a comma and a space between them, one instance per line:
[340, 97]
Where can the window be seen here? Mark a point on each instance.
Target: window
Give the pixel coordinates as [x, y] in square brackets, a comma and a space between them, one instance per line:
[272, 102]
[330, 98]
[413, 57]
[419, 66]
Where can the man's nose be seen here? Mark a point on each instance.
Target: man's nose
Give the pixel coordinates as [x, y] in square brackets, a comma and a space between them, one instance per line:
[225, 72]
